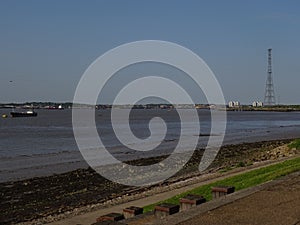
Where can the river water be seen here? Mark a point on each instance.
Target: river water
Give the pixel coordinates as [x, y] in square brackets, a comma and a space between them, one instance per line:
[45, 144]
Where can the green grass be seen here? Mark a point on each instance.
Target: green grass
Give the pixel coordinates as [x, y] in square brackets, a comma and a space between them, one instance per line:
[295, 144]
[240, 182]
[240, 164]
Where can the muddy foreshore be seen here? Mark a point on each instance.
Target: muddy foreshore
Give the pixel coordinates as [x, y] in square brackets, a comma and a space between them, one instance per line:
[39, 197]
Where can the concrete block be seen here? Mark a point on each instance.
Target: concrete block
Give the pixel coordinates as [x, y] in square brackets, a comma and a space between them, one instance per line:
[165, 209]
[132, 211]
[111, 217]
[220, 191]
[190, 201]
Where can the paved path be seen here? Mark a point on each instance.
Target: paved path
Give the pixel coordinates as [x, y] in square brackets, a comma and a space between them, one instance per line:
[90, 217]
[273, 203]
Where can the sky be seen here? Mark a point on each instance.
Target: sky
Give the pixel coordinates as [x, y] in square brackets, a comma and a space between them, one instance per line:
[45, 46]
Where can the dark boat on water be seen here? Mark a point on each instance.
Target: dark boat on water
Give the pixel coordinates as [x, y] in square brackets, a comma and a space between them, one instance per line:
[29, 113]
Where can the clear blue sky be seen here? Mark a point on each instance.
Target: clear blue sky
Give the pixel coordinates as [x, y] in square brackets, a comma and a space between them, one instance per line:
[45, 46]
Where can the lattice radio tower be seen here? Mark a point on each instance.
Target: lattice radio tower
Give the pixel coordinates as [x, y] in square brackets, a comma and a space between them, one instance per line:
[269, 91]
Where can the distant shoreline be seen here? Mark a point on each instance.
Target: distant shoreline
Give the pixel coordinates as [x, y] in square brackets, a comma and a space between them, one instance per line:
[262, 109]
[70, 105]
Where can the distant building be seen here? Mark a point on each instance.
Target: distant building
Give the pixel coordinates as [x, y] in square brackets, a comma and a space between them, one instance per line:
[233, 104]
[257, 104]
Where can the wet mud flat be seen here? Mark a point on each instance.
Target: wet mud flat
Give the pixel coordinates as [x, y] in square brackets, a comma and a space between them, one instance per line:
[40, 197]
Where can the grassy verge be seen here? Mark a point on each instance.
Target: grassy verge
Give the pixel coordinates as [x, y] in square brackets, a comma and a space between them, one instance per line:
[241, 181]
[295, 144]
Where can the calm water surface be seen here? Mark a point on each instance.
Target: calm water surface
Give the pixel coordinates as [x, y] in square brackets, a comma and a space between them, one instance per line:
[45, 144]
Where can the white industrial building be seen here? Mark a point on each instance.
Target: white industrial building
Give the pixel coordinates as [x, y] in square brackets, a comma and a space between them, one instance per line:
[257, 104]
[233, 104]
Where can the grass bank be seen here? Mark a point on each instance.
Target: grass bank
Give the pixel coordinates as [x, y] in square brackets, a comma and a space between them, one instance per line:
[241, 181]
[295, 144]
